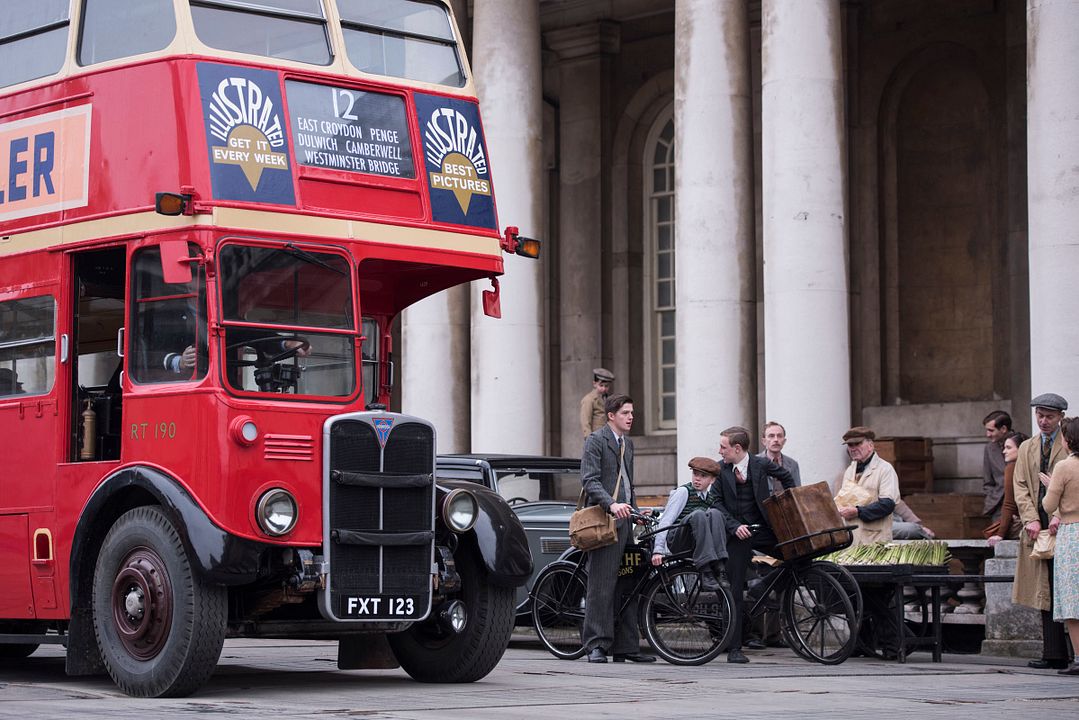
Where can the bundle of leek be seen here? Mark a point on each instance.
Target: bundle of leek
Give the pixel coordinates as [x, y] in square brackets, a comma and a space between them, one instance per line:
[918, 552]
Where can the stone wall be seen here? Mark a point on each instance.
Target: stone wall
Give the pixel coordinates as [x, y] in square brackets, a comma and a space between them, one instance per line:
[1011, 630]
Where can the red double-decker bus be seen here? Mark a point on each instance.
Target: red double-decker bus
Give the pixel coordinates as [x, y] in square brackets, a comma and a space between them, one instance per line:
[210, 213]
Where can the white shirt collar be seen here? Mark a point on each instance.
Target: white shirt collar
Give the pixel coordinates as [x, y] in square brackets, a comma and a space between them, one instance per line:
[743, 465]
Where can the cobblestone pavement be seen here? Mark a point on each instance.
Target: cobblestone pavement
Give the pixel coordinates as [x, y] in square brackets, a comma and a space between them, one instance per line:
[299, 680]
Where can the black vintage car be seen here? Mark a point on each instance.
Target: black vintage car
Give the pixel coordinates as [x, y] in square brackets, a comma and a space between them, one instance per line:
[542, 491]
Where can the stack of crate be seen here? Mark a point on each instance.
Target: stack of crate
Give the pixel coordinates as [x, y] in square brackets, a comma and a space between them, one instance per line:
[949, 515]
[912, 458]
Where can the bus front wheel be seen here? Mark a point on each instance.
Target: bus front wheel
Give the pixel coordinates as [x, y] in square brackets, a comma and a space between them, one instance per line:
[159, 625]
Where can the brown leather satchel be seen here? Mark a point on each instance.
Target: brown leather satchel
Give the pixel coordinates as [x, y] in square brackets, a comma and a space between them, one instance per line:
[593, 527]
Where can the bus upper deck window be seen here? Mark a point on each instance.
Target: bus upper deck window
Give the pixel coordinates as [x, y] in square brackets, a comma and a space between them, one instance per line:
[120, 28]
[285, 29]
[33, 39]
[402, 38]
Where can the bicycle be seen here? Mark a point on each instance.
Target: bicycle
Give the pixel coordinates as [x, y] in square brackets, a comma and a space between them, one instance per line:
[820, 602]
[684, 624]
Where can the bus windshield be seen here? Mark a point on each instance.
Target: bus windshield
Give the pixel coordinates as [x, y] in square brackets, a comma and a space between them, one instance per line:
[278, 302]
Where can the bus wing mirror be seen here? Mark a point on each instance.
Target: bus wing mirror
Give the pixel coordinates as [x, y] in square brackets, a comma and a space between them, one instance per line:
[175, 262]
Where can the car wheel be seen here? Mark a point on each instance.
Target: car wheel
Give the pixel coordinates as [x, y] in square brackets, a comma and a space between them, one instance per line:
[430, 653]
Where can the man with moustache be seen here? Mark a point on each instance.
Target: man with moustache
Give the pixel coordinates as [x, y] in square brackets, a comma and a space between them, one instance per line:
[773, 440]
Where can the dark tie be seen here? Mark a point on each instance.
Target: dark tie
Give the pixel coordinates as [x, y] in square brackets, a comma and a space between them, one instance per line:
[1047, 450]
[739, 476]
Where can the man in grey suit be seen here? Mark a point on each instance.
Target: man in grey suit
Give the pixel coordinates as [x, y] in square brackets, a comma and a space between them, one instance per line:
[773, 439]
[607, 478]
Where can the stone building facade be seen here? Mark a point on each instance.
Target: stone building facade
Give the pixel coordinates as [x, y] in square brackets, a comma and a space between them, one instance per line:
[821, 212]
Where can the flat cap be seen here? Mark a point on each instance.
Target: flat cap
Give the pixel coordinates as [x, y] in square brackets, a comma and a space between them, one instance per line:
[1051, 401]
[858, 433]
[705, 465]
[603, 374]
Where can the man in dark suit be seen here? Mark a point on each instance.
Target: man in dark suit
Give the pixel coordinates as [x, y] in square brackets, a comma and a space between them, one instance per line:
[743, 485]
[607, 478]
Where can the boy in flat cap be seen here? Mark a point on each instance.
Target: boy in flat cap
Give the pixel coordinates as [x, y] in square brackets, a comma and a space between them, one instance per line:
[1033, 586]
[704, 532]
[593, 412]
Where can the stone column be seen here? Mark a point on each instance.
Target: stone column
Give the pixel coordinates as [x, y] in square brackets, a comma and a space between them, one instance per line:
[715, 279]
[806, 297]
[1053, 195]
[508, 370]
[583, 53]
[435, 365]
[435, 356]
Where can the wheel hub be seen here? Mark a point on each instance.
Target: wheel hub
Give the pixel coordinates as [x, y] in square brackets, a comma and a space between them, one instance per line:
[142, 603]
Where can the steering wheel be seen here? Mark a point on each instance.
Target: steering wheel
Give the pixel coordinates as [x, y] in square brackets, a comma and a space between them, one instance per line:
[515, 500]
[285, 354]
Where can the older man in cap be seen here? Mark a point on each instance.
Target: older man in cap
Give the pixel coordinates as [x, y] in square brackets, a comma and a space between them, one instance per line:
[867, 499]
[703, 531]
[1033, 586]
[593, 412]
[870, 489]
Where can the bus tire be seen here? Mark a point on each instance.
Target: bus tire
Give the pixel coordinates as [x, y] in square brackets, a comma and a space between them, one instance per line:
[431, 655]
[159, 625]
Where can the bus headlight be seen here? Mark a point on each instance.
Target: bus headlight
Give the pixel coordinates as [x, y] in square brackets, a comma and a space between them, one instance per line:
[276, 512]
[459, 510]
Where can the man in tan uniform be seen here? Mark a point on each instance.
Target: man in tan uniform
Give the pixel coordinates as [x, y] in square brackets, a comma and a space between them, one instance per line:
[593, 414]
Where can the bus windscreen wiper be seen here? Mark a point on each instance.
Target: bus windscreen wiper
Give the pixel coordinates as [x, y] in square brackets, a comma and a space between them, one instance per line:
[308, 257]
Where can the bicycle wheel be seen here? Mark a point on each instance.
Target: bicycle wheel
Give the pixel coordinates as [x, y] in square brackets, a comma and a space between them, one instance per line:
[686, 624]
[558, 609]
[818, 616]
[850, 585]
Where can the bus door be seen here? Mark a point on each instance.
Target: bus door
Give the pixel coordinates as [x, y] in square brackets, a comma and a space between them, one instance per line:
[95, 415]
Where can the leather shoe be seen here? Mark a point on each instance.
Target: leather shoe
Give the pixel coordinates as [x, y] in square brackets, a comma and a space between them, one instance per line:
[597, 655]
[1072, 669]
[1048, 664]
[754, 644]
[709, 582]
[737, 656]
[633, 657]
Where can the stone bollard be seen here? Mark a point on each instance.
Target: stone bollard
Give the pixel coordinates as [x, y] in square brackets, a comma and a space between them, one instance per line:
[1010, 630]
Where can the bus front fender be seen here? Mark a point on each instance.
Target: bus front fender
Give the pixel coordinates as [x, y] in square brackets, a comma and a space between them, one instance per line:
[220, 556]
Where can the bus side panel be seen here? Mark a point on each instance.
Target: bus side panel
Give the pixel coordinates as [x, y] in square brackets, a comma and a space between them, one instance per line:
[16, 600]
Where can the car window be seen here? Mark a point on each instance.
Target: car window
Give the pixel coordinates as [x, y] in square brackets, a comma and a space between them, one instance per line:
[473, 475]
[540, 485]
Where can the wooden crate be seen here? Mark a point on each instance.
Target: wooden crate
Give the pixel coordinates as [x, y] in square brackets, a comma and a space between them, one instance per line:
[801, 511]
[950, 515]
[912, 458]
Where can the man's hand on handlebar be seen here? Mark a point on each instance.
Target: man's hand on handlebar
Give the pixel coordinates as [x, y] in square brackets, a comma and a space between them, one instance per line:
[657, 559]
[744, 532]
[620, 510]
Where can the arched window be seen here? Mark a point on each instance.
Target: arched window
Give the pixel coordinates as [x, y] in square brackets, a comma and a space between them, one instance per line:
[659, 272]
